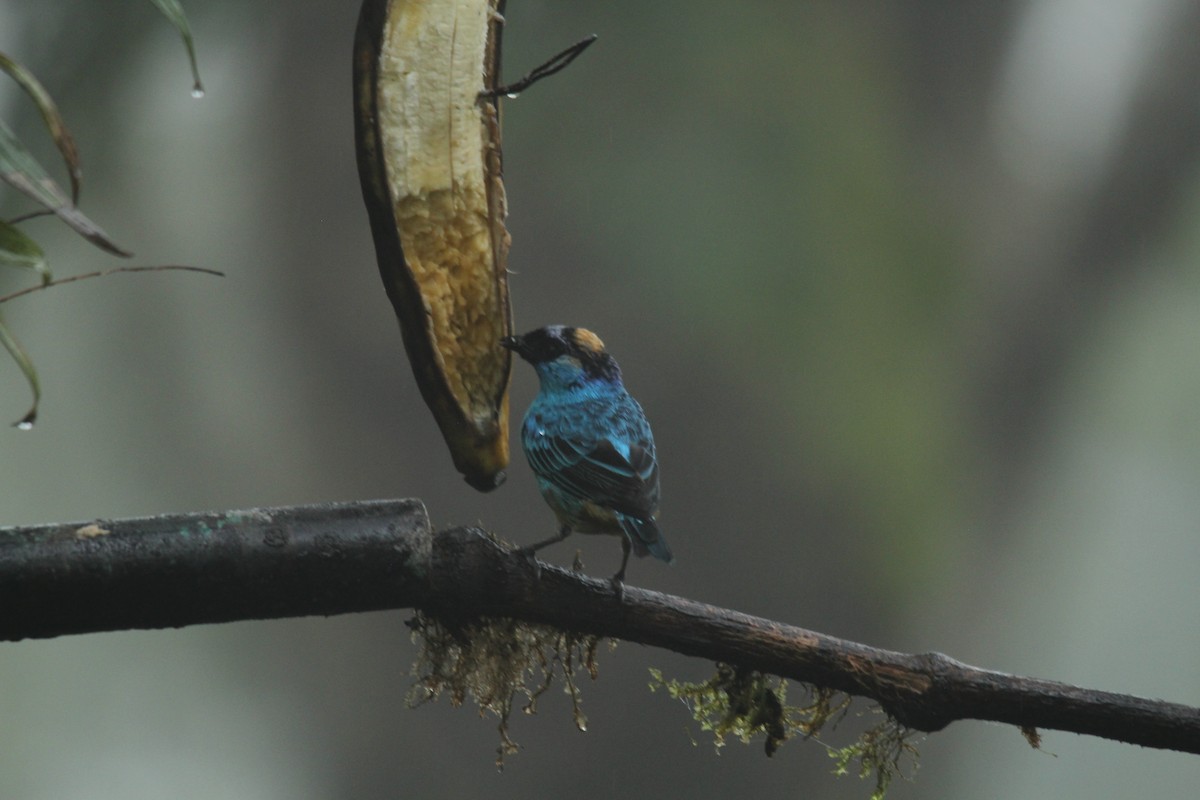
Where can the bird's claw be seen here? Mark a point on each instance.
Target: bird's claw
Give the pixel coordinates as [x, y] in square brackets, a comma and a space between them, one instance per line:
[530, 556]
[618, 586]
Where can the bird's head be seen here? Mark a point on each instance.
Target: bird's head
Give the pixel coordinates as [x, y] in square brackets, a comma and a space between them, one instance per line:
[564, 354]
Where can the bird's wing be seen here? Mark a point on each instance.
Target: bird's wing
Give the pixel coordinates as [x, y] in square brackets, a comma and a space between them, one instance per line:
[613, 473]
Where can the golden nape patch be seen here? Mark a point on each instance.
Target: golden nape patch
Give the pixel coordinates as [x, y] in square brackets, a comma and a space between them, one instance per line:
[587, 340]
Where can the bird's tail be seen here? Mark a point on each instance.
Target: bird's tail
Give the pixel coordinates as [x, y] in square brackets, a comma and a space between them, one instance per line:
[646, 538]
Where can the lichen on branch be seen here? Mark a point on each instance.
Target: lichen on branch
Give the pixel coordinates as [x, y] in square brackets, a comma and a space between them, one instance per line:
[493, 661]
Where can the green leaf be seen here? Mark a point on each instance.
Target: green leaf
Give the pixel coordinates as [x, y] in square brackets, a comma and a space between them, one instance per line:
[20, 169]
[54, 121]
[18, 250]
[173, 11]
[22, 358]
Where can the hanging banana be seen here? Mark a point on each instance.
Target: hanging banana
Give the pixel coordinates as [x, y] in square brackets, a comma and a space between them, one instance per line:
[429, 161]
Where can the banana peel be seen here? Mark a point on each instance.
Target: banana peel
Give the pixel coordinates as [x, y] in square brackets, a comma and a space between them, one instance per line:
[430, 165]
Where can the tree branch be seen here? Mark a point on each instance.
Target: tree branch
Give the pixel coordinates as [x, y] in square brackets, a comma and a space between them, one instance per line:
[190, 569]
[187, 569]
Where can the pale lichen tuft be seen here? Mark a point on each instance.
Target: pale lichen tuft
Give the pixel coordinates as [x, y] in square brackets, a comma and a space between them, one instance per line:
[496, 660]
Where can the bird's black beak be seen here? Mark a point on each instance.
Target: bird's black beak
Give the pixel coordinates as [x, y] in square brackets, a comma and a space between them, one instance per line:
[511, 343]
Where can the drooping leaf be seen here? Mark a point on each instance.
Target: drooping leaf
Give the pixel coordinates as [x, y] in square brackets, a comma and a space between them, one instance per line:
[18, 250]
[22, 358]
[20, 169]
[173, 11]
[50, 115]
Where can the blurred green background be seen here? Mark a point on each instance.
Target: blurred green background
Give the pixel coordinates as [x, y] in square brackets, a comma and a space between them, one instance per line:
[908, 289]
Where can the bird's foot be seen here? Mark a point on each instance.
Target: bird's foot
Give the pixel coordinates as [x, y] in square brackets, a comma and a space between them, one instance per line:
[530, 556]
[529, 550]
[618, 586]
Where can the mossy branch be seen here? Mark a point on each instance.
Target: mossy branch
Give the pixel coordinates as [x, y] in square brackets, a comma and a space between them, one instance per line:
[187, 569]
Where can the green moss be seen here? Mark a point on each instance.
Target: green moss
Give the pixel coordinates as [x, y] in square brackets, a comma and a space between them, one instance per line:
[744, 703]
[881, 750]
